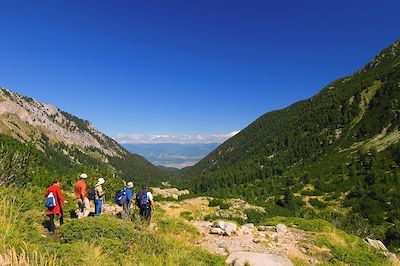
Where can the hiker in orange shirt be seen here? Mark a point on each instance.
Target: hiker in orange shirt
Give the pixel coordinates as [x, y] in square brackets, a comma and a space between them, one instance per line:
[81, 196]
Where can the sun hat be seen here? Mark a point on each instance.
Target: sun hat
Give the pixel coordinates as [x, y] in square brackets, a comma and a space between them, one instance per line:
[83, 175]
[130, 185]
[101, 181]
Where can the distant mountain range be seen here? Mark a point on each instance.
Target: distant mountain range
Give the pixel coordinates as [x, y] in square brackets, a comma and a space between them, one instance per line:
[171, 154]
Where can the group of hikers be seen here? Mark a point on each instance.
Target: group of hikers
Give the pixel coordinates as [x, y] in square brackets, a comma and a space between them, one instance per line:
[143, 199]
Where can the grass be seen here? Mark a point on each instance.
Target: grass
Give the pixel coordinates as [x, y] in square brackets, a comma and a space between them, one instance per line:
[345, 249]
[103, 240]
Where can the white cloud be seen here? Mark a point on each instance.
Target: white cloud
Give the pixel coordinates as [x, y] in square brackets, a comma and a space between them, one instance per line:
[179, 139]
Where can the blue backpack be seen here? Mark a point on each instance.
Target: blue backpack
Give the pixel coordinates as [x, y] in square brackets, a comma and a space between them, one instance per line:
[120, 197]
[142, 200]
[50, 201]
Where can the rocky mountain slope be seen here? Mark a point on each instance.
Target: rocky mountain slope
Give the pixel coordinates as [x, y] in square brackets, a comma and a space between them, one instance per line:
[361, 109]
[335, 156]
[27, 119]
[60, 136]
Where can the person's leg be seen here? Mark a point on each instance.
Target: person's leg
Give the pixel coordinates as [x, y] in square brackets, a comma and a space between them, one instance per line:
[147, 215]
[96, 207]
[61, 217]
[80, 207]
[86, 207]
[142, 212]
[52, 226]
[100, 205]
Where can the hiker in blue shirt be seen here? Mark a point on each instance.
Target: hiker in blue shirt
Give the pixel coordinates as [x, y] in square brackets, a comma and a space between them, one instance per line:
[127, 205]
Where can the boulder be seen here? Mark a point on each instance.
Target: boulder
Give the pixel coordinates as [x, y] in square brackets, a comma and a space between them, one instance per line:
[242, 258]
[263, 228]
[227, 228]
[219, 224]
[250, 226]
[230, 228]
[281, 229]
[217, 231]
[376, 244]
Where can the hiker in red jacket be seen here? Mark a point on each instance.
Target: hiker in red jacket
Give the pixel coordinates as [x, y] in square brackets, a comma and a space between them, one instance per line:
[55, 188]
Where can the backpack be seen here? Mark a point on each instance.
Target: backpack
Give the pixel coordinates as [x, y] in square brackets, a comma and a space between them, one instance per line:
[120, 197]
[50, 201]
[92, 193]
[142, 201]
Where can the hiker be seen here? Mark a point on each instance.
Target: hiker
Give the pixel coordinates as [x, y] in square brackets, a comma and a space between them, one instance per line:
[145, 202]
[99, 195]
[81, 196]
[129, 195]
[54, 195]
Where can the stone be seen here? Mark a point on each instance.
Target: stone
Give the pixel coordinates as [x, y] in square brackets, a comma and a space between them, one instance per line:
[227, 228]
[262, 228]
[376, 244]
[281, 229]
[260, 239]
[230, 228]
[219, 224]
[217, 231]
[242, 258]
[250, 226]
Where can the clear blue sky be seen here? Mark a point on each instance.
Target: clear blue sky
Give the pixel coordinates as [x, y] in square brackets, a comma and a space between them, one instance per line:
[185, 67]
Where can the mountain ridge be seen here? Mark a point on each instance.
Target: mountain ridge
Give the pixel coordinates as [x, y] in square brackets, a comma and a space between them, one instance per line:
[72, 140]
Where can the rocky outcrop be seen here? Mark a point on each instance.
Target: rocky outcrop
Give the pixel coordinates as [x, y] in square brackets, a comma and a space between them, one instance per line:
[237, 210]
[29, 119]
[169, 192]
[223, 228]
[256, 259]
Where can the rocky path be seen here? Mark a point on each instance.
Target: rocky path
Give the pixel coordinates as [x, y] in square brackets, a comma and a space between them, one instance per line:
[263, 245]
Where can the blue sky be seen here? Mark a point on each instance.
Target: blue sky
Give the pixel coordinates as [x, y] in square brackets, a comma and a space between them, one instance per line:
[190, 69]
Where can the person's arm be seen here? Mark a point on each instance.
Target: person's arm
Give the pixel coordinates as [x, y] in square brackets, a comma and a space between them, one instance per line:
[84, 191]
[60, 196]
[150, 196]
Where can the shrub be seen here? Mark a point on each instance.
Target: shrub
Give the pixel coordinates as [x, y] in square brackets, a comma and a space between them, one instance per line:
[187, 215]
[317, 203]
[219, 202]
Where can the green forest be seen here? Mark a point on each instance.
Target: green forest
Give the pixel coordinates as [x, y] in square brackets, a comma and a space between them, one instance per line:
[334, 156]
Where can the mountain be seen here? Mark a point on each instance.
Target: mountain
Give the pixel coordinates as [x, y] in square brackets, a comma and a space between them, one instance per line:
[335, 156]
[172, 154]
[63, 144]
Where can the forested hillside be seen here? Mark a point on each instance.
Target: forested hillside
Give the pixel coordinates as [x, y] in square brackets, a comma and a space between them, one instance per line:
[333, 156]
[39, 142]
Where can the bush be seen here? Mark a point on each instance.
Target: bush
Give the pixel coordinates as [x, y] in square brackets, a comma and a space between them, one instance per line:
[219, 202]
[317, 203]
[186, 215]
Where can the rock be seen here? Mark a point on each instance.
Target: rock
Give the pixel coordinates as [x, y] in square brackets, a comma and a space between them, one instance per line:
[281, 229]
[246, 229]
[263, 228]
[230, 228]
[217, 231]
[250, 226]
[219, 224]
[227, 228]
[260, 239]
[376, 244]
[242, 258]
[303, 250]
